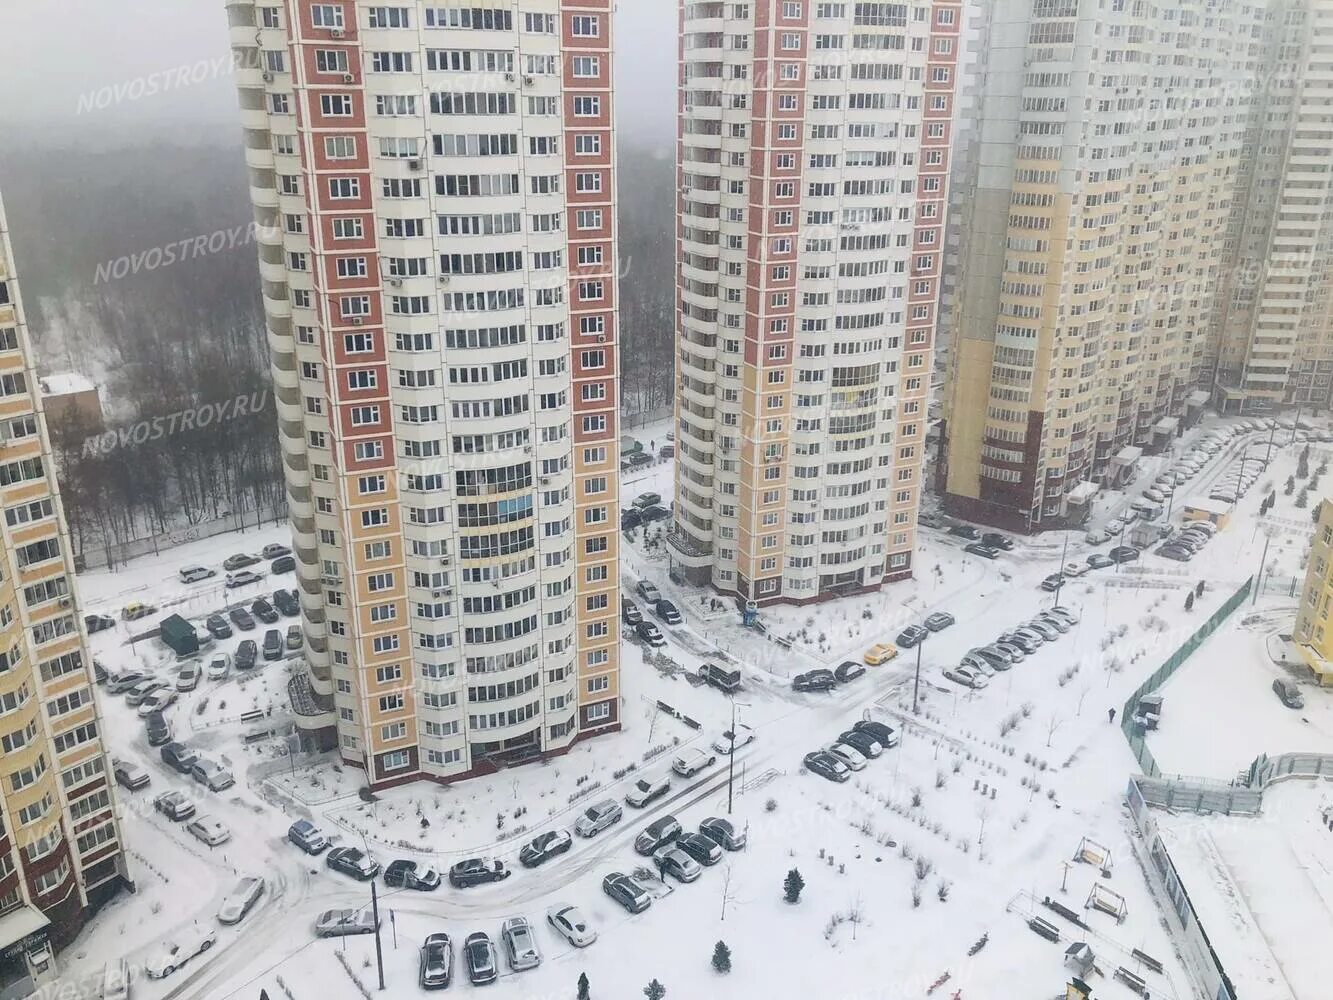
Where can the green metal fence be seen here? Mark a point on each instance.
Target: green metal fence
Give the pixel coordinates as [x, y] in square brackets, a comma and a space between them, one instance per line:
[1133, 732]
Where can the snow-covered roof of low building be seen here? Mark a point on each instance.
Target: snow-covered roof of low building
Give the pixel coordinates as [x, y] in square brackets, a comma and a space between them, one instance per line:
[1208, 505]
[64, 383]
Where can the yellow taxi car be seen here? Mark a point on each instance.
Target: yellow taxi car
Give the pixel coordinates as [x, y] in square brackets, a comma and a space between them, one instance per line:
[880, 652]
[136, 610]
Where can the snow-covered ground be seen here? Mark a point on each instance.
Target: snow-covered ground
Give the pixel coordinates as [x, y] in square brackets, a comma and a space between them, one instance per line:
[990, 793]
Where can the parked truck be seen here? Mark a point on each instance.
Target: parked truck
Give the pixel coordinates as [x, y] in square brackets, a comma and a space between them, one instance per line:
[720, 677]
[179, 634]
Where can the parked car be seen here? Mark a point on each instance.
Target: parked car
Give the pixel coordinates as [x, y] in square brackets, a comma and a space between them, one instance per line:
[273, 644]
[649, 592]
[1047, 632]
[570, 923]
[1099, 561]
[630, 519]
[678, 864]
[731, 740]
[964, 531]
[175, 806]
[242, 579]
[354, 862]
[1029, 643]
[295, 637]
[701, 848]
[138, 694]
[120, 683]
[690, 762]
[245, 654]
[264, 611]
[659, 832]
[815, 680]
[211, 775]
[826, 766]
[1073, 570]
[308, 837]
[847, 671]
[1052, 582]
[1015, 653]
[135, 610]
[647, 790]
[100, 674]
[209, 830]
[184, 945]
[404, 874]
[879, 653]
[193, 574]
[1064, 614]
[520, 944]
[983, 550]
[997, 541]
[966, 676]
[219, 667]
[1123, 554]
[598, 817]
[482, 967]
[723, 833]
[218, 627]
[97, 623]
[1097, 536]
[1288, 693]
[863, 743]
[477, 871]
[275, 549]
[283, 564]
[187, 679]
[911, 635]
[116, 980]
[286, 602]
[627, 892]
[629, 612]
[179, 757]
[939, 621]
[647, 500]
[158, 729]
[161, 699]
[885, 736]
[129, 775]
[654, 513]
[243, 619]
[650, 633]
[544, 847]
[435, 962]
[241, 899]
[848, 755]
[1053, 621]
[343, 923]
[239, 561]
[668, 612]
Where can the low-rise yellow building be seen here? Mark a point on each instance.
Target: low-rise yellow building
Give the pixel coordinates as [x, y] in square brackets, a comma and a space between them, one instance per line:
[1313, 634]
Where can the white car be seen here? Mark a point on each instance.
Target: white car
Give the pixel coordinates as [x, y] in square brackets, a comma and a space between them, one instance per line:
[967, 677]
[188, 677]
[690, 762]
[1075, 569]
[209, 830]
[242, 898]
[187, 943]
[570, 923]
[1096, 536]
[341, 923]
[850, 756]
[157, 701]
[219, 667]
[190, 574]
[724, 743]
[646, 790]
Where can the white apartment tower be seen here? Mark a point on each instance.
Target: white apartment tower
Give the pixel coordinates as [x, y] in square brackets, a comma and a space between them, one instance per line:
[813, 163]
[435, 188]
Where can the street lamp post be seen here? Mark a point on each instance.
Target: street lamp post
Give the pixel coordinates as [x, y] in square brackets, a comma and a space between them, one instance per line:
[1064, 553]
[916, 684]
[731, 755]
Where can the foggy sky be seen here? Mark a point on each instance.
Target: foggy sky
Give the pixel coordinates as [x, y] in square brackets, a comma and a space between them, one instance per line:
[143, 65]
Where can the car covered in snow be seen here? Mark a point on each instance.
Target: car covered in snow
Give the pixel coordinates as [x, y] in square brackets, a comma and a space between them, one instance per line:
[482, 967]
[678, 864]
[863, 743]
[690, 762]
[966, 676]
[239, 561]
[477, 871]
[885, 736]
[435, 964]
[826, 766]
[650, 633]
[939, 620]
[354, 862]
[723, 832]
[544, 847]
[647, 790]
[212, 775]
[241, 899]
[308, 837]
[701, 848]
[184, 945]
[627, 892]
[175, 806]
[209, 830]
[403, 874]
[847, 671]
[242, 579]
[729, 740]
[597, 817]
[520, 944]
[179, 757]
[911, 635]
[848, 754]
[130, 775]
[660, 831]
[815, 680]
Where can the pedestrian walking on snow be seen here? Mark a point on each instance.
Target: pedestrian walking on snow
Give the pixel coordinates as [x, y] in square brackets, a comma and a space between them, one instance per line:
[1110, 715]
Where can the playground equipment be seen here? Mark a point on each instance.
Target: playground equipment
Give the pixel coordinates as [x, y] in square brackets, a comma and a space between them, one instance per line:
[1107, 900]
[1090, 852]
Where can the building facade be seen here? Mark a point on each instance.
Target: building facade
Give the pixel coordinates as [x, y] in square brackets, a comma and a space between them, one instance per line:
[1275, 318]
[436, 196]
[813, 160]
[61, 852]
[1111, 137]
[1313, 635]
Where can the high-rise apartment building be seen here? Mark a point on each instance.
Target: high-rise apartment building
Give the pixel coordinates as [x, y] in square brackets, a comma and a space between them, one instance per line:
[1111, 136]
[813, 161]
[1275, 318]
[435, 189]
[61, 852]
[1313, 635]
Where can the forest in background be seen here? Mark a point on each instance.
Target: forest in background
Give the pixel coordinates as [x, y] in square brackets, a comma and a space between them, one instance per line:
[163, 340]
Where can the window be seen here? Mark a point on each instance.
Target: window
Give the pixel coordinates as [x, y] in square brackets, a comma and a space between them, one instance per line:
[596, 713]
[327, 15]
[585, 26]
[336, 105]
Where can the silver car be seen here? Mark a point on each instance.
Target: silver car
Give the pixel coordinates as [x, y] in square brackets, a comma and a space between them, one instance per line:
[242, 898]
[341, 923]
[598, 817]
[519, 944]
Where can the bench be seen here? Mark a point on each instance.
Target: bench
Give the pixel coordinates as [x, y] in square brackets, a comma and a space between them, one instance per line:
[1147, 960]
[254, 715]
[1131, 980]
[1044, 928]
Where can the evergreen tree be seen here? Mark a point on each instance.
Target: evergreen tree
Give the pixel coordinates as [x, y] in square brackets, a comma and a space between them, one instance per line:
[792, 886]
[654, 990]
[583, 987]
[1189, 601]
[721, 957]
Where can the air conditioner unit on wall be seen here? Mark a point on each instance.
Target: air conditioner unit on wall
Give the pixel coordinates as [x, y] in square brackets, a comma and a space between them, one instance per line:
[337, 33]
[349, 78]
